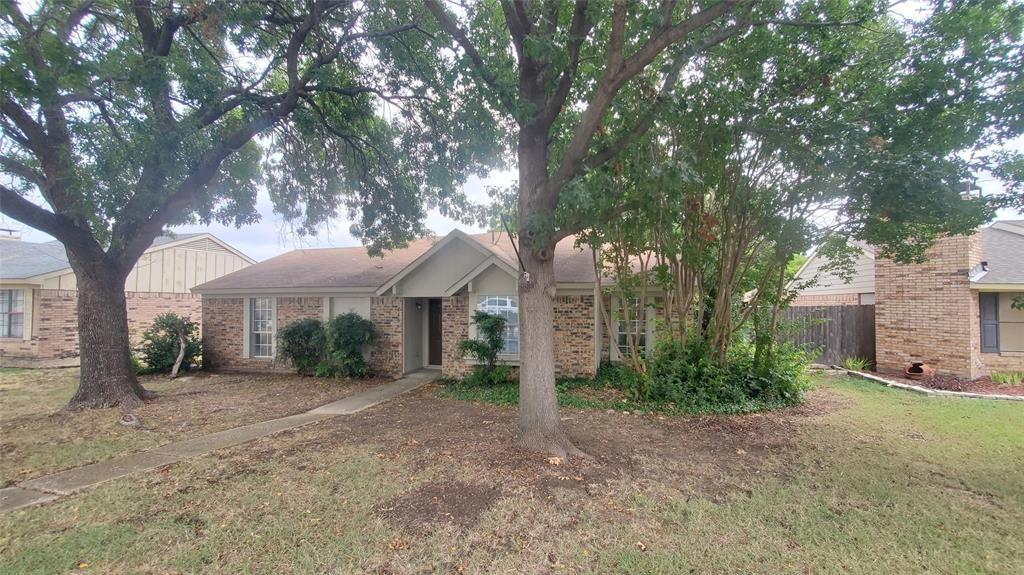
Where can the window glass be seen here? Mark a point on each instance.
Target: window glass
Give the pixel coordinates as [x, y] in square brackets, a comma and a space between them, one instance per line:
[261, 318]
[508, 308]
[12, 313]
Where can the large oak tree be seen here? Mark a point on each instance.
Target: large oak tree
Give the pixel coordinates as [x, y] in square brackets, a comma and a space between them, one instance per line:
[583, 82]
[123, 117]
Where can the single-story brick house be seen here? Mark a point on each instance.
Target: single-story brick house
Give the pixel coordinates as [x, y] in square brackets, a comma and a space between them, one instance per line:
[419, 298]
[953, 312]
[38, 294]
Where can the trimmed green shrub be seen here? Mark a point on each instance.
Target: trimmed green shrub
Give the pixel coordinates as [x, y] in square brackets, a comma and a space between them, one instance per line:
[485, 350]
[303, 343]
[160, 345]
[346, 335]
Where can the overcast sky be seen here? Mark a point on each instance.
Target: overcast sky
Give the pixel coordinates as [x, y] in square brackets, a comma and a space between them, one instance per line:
[272, 236]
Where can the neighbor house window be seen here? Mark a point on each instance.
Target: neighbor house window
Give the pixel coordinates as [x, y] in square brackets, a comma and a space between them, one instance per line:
[508, 308]
[1002, 325]
[261, 327]
[12, 313]
[635, 324]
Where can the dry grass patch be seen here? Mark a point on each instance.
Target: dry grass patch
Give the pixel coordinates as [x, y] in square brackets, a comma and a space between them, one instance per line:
[429, 485]
[37, 436]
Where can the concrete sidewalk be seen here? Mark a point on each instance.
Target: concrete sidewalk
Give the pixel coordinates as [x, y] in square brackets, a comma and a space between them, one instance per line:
[49, 487]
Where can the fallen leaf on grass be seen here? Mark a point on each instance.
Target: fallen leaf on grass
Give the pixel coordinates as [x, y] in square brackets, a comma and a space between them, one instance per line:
[398, 544]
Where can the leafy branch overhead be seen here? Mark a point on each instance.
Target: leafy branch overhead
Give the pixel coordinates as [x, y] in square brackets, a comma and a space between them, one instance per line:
[120, 119]
[126, 121]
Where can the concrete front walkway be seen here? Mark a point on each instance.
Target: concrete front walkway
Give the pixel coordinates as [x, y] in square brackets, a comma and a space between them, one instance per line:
[49, 487]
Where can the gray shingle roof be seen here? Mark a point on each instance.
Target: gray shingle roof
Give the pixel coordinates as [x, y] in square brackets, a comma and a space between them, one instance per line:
[354, 268]
[1003, 249]
[22, 260]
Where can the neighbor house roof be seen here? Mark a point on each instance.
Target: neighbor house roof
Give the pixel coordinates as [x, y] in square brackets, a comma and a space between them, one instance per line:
[354, 268]
[24, 260]
[1002, 248]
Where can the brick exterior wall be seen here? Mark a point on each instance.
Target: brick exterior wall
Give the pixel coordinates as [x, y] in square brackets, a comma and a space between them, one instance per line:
[54, 339]
[574, 336]
[454, 328]
[927, 312]
[826, 299]
[143, 307]
[386, 355]
[290, 309]
[224, 330]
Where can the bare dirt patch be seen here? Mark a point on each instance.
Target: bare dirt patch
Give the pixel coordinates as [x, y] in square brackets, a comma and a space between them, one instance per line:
[452, 502]
[713, 457]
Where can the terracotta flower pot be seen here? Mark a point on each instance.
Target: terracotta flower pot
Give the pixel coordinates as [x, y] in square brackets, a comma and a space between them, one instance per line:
[918, 370]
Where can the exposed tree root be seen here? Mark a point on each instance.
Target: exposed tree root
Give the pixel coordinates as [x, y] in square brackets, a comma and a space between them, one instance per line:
[559, 446]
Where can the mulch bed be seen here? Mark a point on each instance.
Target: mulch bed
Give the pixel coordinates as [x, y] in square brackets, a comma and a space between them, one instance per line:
[946, 382]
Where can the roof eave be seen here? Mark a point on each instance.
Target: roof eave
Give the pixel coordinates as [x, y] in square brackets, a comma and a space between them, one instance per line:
[230, 291]
[1000, 286]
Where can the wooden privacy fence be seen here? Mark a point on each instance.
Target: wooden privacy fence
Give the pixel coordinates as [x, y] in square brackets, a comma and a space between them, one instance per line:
[837, 331]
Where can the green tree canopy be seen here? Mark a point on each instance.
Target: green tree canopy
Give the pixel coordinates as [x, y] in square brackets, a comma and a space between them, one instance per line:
[120, 118]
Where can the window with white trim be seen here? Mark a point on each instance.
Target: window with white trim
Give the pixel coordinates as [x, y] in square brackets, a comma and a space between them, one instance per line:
[12, 313]
[508, 308]
[261, 327]
[635, 325]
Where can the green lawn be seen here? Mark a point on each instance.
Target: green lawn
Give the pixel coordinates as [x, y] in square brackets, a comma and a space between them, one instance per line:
[863, 479]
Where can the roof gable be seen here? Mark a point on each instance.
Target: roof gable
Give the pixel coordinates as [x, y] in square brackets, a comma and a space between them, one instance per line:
[39, 260]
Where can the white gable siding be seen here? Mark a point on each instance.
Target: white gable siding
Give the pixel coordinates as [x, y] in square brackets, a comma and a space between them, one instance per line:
[494, 281]
[435, 275]
[174, 269]
[863, 280]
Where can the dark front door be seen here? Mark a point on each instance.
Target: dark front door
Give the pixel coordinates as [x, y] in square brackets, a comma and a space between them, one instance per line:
[434, 331]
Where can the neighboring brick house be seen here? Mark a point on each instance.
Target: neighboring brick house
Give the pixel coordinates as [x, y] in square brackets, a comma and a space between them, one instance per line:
[955, 311]
[38, 294]
[420, 300]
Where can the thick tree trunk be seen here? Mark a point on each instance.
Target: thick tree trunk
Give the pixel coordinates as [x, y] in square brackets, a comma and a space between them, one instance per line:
[539, 425]
[107, 378]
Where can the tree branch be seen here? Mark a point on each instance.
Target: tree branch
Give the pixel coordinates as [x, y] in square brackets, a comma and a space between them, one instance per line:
[614, 79]
[451, 26]
[16, 206]
[650, 115]
[15, 167]
[579, 29]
